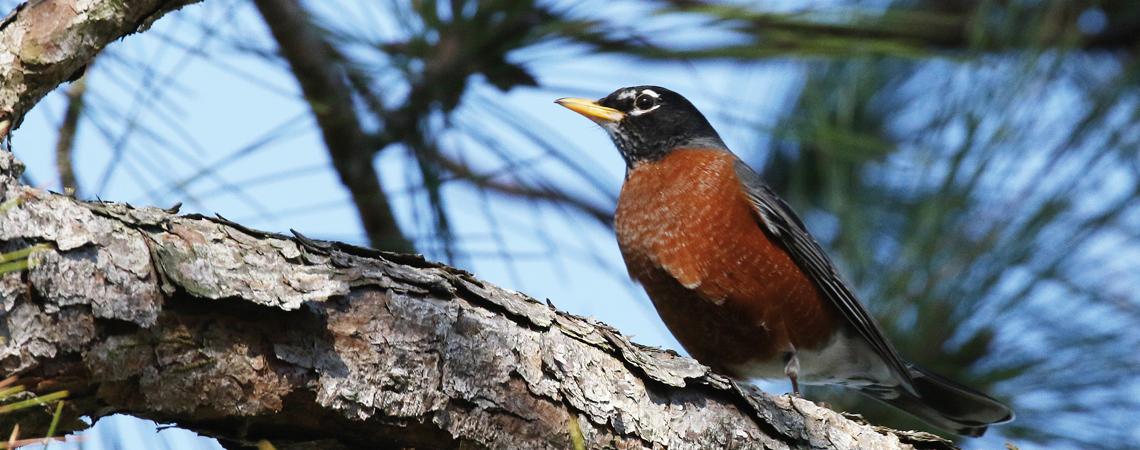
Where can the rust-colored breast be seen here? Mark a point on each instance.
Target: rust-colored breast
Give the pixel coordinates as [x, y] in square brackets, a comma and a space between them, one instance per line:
[729, 294]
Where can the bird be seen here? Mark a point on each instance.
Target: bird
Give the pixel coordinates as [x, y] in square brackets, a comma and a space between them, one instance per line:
[737, 278]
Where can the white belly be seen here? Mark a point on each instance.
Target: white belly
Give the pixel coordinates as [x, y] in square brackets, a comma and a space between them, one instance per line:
[845, 360]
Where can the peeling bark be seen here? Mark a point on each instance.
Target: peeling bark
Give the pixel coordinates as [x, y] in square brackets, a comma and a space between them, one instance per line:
[245, 335]
[46, 42]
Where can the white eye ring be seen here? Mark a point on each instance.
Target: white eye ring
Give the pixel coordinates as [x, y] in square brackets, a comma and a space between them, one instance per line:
[638, 109]
[644, 102]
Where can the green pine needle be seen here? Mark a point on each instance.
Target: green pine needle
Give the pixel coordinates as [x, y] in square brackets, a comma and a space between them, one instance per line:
[35, 401]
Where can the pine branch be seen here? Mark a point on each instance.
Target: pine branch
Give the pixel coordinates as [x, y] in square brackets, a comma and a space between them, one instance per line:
[246, 335]
[326, 87]
[44, 43]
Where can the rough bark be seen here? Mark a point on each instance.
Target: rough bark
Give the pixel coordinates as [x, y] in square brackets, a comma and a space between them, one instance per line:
[246, 335]
[46, 42]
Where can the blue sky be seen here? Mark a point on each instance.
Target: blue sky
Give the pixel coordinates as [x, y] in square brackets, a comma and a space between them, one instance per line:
[291, 178]
[207, 111]
[176, 112]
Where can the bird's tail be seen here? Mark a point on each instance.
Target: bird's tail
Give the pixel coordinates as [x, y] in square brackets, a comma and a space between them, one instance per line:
[944, 403]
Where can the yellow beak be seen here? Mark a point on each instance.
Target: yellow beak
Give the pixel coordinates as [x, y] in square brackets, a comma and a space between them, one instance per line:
[592, 110]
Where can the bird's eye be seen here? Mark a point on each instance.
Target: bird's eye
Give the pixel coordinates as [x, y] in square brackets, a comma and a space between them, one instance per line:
[644, 102]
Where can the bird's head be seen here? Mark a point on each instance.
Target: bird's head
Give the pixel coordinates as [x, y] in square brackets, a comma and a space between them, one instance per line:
[647, 122]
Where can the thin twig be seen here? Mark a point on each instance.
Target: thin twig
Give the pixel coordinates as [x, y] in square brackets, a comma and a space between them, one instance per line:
[65, 146]
[466, 173]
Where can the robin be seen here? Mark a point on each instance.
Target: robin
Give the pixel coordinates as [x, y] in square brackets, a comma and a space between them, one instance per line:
[736, 276]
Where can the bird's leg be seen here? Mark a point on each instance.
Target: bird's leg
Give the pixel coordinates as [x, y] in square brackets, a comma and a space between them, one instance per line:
[792, 370]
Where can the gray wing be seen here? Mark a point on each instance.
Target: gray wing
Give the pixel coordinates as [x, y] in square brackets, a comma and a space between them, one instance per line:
[785, 228]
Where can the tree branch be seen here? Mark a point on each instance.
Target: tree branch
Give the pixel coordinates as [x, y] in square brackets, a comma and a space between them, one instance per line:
[462, 171]
[246, 335]
[44, 43]
[325, 85]
[64, 147]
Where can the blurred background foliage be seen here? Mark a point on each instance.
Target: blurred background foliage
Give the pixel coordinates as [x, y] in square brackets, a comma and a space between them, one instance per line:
[972, 165]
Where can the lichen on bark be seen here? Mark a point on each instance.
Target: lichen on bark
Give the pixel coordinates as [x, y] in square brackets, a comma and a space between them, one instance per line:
[244, 335]
[44, 43]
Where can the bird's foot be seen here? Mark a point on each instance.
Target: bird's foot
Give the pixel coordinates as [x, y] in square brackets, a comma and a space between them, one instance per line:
[792, 370]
